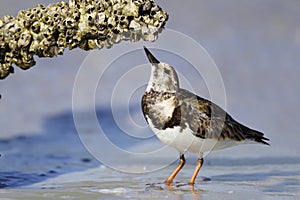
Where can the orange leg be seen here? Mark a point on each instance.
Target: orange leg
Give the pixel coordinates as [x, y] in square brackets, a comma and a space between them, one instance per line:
[175, 172]
[197, 169]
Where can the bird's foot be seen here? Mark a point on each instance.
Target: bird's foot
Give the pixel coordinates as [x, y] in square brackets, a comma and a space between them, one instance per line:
[168, 182]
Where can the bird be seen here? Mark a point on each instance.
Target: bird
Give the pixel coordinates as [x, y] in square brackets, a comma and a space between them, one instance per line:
[188, 122]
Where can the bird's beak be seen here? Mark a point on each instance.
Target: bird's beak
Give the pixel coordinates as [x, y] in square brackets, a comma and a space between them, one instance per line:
[151, 58]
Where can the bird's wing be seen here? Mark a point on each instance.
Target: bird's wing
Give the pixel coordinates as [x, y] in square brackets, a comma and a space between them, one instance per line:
[208, 120]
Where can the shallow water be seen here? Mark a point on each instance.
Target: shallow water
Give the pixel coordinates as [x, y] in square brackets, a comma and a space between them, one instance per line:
[259, 182]
[55, 165]
[256, 46]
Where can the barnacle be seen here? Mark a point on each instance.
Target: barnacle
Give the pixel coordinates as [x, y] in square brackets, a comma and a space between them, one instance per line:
[46, 31]
[24, 39]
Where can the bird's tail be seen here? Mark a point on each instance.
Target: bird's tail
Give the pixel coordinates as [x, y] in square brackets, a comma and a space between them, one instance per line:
[256, 136]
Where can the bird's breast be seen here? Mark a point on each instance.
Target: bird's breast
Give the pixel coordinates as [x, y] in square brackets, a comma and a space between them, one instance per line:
[159, 108]
[165, 108]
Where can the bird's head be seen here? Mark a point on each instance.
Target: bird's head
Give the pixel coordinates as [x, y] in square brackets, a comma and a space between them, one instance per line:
[163, 76]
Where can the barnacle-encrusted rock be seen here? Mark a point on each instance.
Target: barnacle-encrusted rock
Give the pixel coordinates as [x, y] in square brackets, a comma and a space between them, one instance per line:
[87, 24]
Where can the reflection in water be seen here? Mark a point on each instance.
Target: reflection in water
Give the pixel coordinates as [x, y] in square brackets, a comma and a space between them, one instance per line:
[180, 189]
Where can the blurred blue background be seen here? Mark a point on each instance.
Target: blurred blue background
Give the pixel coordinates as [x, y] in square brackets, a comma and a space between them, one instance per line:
[254, 44]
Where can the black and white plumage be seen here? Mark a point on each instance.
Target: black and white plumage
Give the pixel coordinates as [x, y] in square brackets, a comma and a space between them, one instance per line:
[186, 121]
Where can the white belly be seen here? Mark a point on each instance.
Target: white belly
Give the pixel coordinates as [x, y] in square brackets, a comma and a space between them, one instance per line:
[185, 140]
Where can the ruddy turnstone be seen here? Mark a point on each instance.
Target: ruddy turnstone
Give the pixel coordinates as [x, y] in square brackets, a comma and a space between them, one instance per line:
[188, 122]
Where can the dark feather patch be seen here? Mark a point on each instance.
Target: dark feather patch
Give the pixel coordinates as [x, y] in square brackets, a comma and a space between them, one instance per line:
[175, 120]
